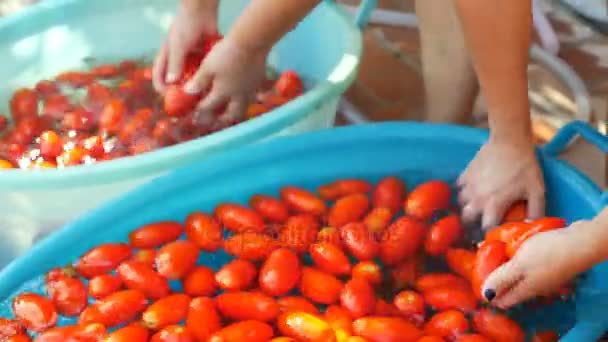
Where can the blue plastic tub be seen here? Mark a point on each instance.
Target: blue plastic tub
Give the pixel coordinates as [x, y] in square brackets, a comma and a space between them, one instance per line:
[58, 35]
[416, 152]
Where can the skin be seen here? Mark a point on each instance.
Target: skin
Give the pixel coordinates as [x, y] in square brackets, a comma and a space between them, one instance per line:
[507, 163]
[548, 260]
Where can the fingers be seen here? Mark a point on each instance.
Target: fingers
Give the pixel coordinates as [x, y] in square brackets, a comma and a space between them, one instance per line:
[201, 81]
[520, 292]
[501, 281]
[159, 69]
[234, 111]
[536, 203]
[175, 63]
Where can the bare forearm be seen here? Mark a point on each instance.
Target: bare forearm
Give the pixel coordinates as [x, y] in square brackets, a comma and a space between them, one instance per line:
[600, 226]
[264, 22]
[498, 34]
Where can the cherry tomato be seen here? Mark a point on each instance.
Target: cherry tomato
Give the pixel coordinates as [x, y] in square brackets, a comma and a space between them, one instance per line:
[359, 241]
[280, 272]
[369, 271]
[18, 338]
[473, 338]
[200, 282]
[348, 209]
[115, 309]
[74, 156]
[51, 145]
[330, 258]
[5, 164]
[378, 219]
[238, 218]
[166, 311]
[34, 311]
[431, 338]
[497, 327]
[68, 294]
[302, 325]
[358, 297]
[289, 84]
[330, 235]
[102, 259]
[104, 285]
[145, 256]
[297, 304]
[406, 273]
[94, 146]
[545, 336]
[389, 193]
[75, 79]
[105, 71]
[112, 116]
[155, 234]
[431, 281]
[508, 232]
[176, 259]
[203, 319]
[247, 305]
[130, 333]
[447, 298]
[385, 309]
[443, 234]
[236, 275]
[303, 201]
[250, 331]
[489, 257]
[256, 109]
[401, 240]
[205, 231]
[339, 318]
[173, 333]
[461, 261]
[78, 119]
[538, 226]
[10, 327]
[250, 246]
[141, 277]
[518, 212]
[177, 102]
[449, 324]
[411, 306]
[426, 199]
[46, 87]
[24, 103]
[299, 232]
[344, 187]
[270, 208]
[320, 287]
[389, 329]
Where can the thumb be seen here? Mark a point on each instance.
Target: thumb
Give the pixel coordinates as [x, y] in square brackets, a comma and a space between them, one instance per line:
[175, 62]
[501, 281]
[536, 204]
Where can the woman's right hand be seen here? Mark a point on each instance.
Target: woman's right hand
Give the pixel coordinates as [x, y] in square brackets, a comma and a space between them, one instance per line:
[194, 20]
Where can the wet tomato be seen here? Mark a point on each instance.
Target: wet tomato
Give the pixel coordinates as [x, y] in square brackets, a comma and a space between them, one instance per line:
[34, 311]
[348, 209]
[115, 309]
[102, 259]
[344, 187]
[166, 311]
[104, 285]
[176, 259]
[303, 201]
[236, 275]
[68, 293]
[518, 212]
[173, 333]
[203, 319]
[177, 102]
[358, 297]
[447, 298]
[238, 218]
[401, 240]
[386, 329]
[247, 306]
[497, 327]
[141, 277]
[320, 287]
[289, 84]
[303, 326]
[488, 258]
[10, 327]
[431, 281]
[448, 324]
[251, 331]
[368, 270]
[411, 305]
[205, 231]
[270, 208]
[280, 272]
[155, 234]
[299, 232]
[378, 219]
[389, 193]
[359, 241]
[426, 199]
[330, 258]
[443, 234]
[200, 282]
[250, 246]
[23, 104]
[461, 261]
[130, 333]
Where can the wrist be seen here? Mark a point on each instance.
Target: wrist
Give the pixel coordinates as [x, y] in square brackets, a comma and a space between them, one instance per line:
[209, 7]
[250, 50]
[599, 225]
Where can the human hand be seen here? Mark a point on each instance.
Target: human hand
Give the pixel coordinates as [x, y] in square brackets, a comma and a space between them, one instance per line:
[502, 172]
[231, 73]
[194, 20]
[544, 263]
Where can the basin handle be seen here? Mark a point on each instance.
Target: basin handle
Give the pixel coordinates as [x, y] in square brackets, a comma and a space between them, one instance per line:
[366, 7]
[564, 136]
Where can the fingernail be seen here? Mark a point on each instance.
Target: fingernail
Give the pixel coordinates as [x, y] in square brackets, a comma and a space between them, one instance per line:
[191, 88]
[489, 294]
[171, 77]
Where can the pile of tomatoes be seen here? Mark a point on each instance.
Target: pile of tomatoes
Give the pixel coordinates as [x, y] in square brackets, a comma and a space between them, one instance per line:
[112, 111]
[347, 264]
